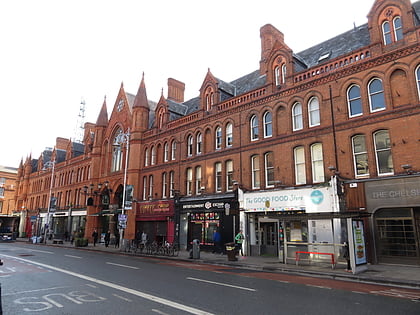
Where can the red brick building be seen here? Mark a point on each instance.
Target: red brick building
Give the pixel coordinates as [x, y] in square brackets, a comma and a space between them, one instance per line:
[8, 220]
[286, 153]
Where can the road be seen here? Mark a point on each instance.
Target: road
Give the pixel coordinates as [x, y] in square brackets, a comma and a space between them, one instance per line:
[52, 280]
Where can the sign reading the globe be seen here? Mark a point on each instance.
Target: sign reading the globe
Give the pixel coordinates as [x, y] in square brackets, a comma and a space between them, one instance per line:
[308, 200]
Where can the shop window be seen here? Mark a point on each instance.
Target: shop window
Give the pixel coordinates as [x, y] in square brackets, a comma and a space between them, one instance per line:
[360, 156]
[354, 101]
[317, 163]
[383, 153]
[300, 172]
[297, 116]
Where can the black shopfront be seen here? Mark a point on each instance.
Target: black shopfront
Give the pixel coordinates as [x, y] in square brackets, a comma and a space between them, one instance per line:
[201, 217]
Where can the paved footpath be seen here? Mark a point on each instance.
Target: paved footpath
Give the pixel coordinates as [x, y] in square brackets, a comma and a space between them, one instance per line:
[387, 274]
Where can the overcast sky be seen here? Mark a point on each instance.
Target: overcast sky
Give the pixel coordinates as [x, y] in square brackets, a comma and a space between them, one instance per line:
[56, 53]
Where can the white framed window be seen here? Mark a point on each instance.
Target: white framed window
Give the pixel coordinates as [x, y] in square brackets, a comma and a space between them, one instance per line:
[164, 185]
[254, 128]
[398, 30]
[383, 153]
[189, 181]
[218, 176]
[277, 75]
[229, 135]
[300, 168]
[150, 187]
[171, 184]
[317, 163]
[386, 32]
[218, 138]
[354, 101]
[376, 95]
[283, 73]
[297, 116]
[153, 159]
[313, 111]
[116, 161]
[173, 150]
[269, 169]
[268, 124]
[166, 152]
[360, 155]
[255, 167]
[190, 144]
[198, 180]
[144, 188]
[199, 143]
[229, 175]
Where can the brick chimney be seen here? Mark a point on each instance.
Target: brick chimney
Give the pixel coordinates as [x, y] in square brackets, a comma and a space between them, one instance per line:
[176, 90]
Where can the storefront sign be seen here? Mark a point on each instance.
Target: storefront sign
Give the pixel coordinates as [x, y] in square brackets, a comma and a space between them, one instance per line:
[393, 192]
[159, 208]
[206, 205]
[307, 199]
[359, 246]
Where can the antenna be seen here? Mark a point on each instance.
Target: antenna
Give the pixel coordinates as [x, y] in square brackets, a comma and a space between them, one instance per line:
[80, 126]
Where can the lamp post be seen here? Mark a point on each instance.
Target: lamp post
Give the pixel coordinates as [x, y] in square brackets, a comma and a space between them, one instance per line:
[49, 164]
[120, 139]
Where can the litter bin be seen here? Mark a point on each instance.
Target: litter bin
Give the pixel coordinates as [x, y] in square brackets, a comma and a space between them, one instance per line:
[231, 251]
[195, 254]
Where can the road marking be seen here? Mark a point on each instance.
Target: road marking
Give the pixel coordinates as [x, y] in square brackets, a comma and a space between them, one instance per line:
[72, 256]
[143, 295]
[222, 284]
[36, 290]
[398, 293]
[119, 265]
[318, 286]
[122, 298]
[40, 251]
[159, 312]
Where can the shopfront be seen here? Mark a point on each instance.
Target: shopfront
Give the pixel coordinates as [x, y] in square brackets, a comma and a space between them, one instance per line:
[282, 222]
[395, 205]
[201, 217]
[156, 219]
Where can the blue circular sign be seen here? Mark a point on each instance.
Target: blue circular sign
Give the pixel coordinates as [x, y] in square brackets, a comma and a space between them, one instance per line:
[317, 197]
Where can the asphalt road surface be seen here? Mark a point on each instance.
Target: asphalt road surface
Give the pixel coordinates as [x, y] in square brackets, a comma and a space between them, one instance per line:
[52, 280]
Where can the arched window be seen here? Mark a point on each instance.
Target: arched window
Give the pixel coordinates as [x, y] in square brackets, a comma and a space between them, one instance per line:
[198, 180]
[297, 117]
[269, 169]
[254, 127]
[354, 101]
[199, 143]
[360, 156]
[229, 135]
[376, 95]
[153, 157]
[277, 75]
[255, 167]
[418, 80]
[313, 109]
[166, 152]
[383, 153]
[218, 138]
[300, 171]
[190, 143]
[392, 32]
[173, 150]
[268, 124]
[386, 32]
[229, 175]
[317, 163]
[116, 153]
[398, 31]
[283, 73]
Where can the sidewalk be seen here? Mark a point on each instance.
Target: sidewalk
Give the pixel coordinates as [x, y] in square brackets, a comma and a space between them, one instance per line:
[397, 275]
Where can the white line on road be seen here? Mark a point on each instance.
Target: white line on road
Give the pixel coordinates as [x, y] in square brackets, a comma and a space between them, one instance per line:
[40, 251]
[143, 295]
[318, 286]
[122, 298]
[73, 256]
[36, 290]
[159, 312]
[119, 265]
[222, 284]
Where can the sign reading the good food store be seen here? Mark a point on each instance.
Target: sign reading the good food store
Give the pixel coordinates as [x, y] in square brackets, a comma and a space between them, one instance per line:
[308, 200]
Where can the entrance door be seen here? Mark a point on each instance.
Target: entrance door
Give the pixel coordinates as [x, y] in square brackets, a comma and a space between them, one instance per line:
[269, 236]
[397, 237]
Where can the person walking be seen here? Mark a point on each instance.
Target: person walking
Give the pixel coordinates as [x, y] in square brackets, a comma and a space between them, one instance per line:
[217, 240]
[346, 256]
[107, 238]
[239, 239]
[95, 237]
[143, 239]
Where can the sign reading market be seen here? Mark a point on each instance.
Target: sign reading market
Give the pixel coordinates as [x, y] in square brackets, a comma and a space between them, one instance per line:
[306, 199]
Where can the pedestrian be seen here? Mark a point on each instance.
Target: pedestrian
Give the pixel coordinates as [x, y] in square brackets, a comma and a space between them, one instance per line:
[95, 237]
[117, 239]
[107, 238]
[143, 239]
[346, 256]
[66, 236]
[217, 240]
[239, 239]
[72, 237]
[138, 238]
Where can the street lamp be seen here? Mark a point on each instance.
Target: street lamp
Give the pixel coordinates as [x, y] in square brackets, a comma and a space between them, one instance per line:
[48, 165]
[120, 139]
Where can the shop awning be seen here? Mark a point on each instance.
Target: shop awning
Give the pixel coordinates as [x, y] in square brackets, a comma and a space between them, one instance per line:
[313, 216]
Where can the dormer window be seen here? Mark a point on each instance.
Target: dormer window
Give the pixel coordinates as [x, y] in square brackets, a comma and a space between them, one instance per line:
[280, 74]
[392, 28]
[209, 97]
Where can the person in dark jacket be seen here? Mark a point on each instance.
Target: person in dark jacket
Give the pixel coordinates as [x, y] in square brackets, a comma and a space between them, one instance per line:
[95, 237]
[107, 238]
[346, 256]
